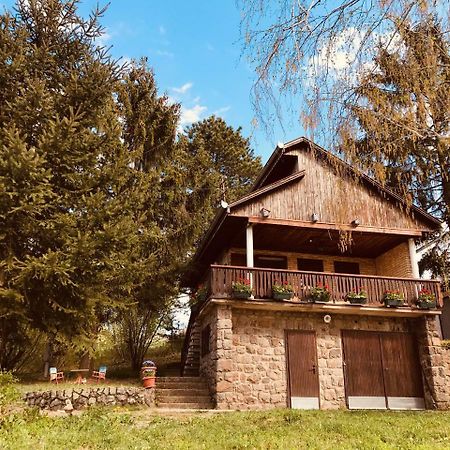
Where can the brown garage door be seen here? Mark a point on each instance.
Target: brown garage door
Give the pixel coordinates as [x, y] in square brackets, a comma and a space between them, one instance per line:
[302, 370]
[382, 371]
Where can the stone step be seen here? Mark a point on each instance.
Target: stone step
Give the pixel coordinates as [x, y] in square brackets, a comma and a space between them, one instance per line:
[185, 386]
[180, 379]
[183, 399]
[181, 391]
[192, 405]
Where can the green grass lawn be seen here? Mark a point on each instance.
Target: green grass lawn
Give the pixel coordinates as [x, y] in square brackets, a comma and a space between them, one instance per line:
[281, 429]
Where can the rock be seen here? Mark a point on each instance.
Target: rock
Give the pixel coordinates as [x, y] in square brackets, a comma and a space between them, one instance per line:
[69, 407]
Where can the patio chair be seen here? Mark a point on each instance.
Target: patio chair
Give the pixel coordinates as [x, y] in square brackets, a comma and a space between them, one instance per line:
[55, 376]
[99, 374]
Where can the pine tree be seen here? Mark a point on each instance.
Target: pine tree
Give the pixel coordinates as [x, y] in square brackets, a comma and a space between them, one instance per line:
[63, 171]
[221, 165]
[400, 128]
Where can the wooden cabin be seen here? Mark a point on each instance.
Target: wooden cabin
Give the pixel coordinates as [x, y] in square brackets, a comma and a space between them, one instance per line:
[310, 224]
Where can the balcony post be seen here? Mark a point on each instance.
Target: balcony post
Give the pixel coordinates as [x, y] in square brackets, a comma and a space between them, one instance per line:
[413, 258]
[249, 251]
[249, 243]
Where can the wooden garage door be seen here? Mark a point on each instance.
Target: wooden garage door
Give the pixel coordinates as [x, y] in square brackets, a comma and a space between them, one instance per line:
[302, 369]
[382, 371]
[364, 384]
[402, 374]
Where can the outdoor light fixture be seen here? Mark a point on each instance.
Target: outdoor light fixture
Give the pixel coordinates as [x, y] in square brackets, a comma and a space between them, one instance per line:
[265, 212]
[327, 318]
[314, 217]
[355, 222]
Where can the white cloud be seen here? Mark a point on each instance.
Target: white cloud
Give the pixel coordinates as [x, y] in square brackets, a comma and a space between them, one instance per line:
[183, 89]
[103, 38]
[191, 115]
[162, 30]
[221, 111]
[165, 53]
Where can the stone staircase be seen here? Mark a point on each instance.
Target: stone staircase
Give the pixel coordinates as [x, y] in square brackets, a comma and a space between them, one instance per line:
[192, 364]
[182, 393]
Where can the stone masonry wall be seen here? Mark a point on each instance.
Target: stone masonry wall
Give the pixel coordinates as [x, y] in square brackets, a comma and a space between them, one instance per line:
[395, 262]
[251, 373]
[208, 362]
[435, 361]
[70, 399]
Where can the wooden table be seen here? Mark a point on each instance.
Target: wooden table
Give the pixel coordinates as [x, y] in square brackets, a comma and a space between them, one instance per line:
[79, 372]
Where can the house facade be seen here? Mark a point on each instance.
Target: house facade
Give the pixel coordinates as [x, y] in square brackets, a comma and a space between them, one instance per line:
[310, 226]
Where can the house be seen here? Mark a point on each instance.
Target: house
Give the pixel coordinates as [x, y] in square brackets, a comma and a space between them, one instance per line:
[310, 222]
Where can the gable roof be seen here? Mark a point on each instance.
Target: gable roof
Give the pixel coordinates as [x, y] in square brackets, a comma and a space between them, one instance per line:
[332, 159]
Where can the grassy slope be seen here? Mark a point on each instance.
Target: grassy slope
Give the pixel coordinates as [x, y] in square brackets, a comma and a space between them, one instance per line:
[282, 429]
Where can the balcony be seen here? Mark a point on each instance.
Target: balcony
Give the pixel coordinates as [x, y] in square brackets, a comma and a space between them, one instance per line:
[222, 278]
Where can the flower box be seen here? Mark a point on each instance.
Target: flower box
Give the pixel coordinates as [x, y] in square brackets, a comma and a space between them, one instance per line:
[241, 288]
[282, 295]
[424, 304]
[394, 302]
[241, 294]
[393, 298]
[358, 297]
[360, 300]
[282, 290]
[320, 294]
[426, 299]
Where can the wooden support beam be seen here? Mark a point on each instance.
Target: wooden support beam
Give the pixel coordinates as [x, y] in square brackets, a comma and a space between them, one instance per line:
[334, 226]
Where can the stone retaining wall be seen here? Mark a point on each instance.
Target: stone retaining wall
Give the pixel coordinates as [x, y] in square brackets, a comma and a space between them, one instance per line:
[69, 399]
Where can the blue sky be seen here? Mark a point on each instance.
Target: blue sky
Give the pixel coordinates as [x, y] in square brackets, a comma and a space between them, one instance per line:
[195, 51]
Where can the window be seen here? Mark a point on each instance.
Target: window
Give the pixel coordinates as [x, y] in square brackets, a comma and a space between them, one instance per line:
[310, 265]
[238, 259]
[271, 262]
[205, 340]
[346, 267]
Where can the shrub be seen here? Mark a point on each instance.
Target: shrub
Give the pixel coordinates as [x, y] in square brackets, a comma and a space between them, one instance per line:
[8, 390]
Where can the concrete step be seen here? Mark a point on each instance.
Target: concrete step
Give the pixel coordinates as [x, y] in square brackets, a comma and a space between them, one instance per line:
[192, 405]
[183, 399]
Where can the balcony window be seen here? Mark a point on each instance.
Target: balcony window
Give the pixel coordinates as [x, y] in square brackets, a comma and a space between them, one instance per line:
[310, 265]
[346, 267]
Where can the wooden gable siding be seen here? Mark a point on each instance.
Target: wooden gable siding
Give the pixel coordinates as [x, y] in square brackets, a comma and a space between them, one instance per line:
[336, 199]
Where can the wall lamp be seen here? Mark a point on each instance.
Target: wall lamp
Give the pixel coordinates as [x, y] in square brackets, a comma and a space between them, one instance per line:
[265, 212]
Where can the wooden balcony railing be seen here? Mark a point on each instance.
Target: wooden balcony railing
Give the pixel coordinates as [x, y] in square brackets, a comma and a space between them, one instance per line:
[339, 285]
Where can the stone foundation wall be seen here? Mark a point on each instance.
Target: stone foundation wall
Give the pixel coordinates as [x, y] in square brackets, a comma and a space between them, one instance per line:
[208, 362]
[435, 361]
[69, 399]
[247, 369]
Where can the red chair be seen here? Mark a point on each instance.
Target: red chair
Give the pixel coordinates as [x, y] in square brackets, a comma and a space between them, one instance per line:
[99, 374]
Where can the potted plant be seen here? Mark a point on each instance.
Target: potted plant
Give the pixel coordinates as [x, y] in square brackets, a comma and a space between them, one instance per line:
[393, 298]
[282, 290]
[356, 297]
[242, 288]
[320, 293]
[148, 374]
[426, 299]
